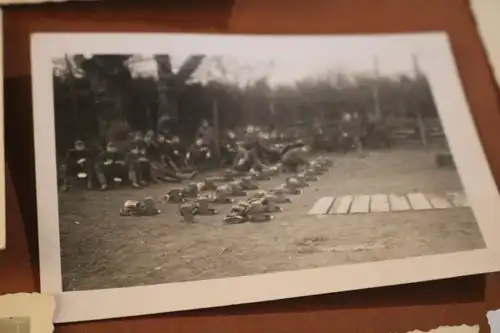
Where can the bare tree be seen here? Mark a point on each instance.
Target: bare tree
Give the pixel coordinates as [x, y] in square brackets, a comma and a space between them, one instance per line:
[169, 84]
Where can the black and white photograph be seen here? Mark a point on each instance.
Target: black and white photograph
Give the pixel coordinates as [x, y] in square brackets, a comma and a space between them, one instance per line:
[15, 325]
[26, 313]
[261, 167]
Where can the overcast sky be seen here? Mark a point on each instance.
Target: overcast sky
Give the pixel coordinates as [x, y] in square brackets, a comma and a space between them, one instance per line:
[286, 60]
[288, 68]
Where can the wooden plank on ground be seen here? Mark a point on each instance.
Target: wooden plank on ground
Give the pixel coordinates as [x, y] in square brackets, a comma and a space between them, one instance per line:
[360, 204]
[322, 206]
[398, 203]
[458, 199]
[379, 203]
[341, 205]
[438, 202]
[418, 201]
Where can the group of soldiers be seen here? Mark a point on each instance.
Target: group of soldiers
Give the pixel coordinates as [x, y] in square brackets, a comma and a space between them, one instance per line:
[162, 157]
[352, 132]
[159, 157]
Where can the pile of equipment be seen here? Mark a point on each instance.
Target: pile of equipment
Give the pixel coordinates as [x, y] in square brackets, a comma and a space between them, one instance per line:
[197, 198]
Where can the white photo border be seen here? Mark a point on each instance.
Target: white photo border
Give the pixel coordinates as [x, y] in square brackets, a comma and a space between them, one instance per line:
[436, 61]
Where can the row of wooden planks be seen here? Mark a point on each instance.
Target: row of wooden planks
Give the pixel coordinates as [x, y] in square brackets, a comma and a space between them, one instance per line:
[378, 203]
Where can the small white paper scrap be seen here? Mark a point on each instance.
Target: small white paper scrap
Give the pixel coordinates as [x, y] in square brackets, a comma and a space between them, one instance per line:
[452, 329]
[494, 321]
[26, 313]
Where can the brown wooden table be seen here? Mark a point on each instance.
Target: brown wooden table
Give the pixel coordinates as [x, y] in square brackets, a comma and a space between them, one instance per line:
[402, 308]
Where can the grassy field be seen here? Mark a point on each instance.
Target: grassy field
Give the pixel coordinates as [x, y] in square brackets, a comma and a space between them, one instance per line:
[102, 250]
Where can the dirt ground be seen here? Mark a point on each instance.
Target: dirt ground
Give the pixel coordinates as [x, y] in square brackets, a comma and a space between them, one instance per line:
[102, 250]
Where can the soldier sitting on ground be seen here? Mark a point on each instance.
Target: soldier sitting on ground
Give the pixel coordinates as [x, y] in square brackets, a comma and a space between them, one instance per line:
[79, 160]
[164, 148]
[199, 154]
[158, 169]
[228, 148]
[320, 140]
[137, 154]
[295, 157]
[246, 159]
[297, 143]
[206, 133]
[351, 131]
[173, 153]
[113, 164]
[265, 151]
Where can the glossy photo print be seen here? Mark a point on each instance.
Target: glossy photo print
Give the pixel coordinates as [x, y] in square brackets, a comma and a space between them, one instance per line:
[26, 313]
[191, 171]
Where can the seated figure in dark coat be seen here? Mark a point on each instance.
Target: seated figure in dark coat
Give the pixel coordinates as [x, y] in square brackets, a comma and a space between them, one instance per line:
[295, 157]
[159, 170]
[78, 163]
[246, 159]
[114, 164]
[173, 152]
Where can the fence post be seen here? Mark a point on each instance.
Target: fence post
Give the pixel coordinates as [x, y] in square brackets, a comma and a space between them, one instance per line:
[215, 119]
[421, 128]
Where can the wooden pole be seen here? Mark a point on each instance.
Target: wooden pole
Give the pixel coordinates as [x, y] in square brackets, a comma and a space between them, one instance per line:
[420, 121]
[375, 91]
[272, 111]
[215, 118]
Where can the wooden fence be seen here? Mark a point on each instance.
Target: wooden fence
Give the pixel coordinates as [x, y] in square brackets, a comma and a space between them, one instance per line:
[406, 132]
